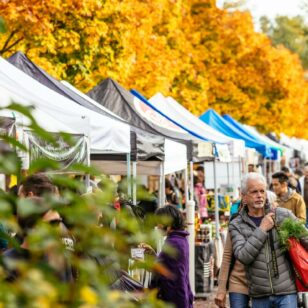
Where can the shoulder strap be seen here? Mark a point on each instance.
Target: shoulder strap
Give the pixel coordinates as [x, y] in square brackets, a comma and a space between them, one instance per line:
[273, 252]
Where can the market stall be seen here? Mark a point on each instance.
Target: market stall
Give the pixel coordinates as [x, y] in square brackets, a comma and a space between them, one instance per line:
[144, 146]
[106, 135]
[61, 151]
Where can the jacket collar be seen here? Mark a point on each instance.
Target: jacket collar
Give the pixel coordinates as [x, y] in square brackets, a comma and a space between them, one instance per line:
[287, 196]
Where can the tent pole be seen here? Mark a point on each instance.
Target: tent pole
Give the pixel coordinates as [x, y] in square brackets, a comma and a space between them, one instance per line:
[191, 165]
[186, 185]
[264, 167]
[162, 185]
[128, 162]
[216, 202]
[88, 162]
[204, 174]
[240, 169]
[228, 175]
[233, 176]
[190, 216]
[270, 169]
[134, 182]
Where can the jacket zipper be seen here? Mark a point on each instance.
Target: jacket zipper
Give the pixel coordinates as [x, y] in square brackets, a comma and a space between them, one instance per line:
[269, 267]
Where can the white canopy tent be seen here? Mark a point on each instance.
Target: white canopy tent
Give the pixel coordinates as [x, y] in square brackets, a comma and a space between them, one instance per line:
[47, 122]
[89, 99]
[43, 119]
[297, 144]
[106, 135]
[175, 152]
[173, 109]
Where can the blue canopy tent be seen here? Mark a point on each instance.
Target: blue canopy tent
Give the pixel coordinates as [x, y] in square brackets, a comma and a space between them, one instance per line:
[255, 135]
[213, 119]
[275, 151]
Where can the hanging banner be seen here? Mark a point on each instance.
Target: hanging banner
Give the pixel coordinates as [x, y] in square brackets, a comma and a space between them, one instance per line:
[203, 151]
[154, 117]
[7, 126]
[61, 152]
[223, 153]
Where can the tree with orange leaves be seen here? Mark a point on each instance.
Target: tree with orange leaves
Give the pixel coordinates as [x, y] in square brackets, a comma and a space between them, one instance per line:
[201, 55]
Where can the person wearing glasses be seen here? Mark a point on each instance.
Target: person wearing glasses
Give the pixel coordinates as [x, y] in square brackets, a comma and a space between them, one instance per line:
[255, 244]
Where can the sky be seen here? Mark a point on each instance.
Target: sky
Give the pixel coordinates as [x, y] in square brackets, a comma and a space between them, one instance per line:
[272, 8]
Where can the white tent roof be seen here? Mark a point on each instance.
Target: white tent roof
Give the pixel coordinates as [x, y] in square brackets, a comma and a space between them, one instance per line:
[43, 119]
[175, 152]
[106, 135]
[89, 99]
[176, 111]
[300, 145]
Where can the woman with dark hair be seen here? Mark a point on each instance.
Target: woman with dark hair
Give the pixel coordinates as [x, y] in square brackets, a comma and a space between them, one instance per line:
[173, 286]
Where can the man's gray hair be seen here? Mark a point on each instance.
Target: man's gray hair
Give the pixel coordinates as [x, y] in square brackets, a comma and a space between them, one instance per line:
[251, 176]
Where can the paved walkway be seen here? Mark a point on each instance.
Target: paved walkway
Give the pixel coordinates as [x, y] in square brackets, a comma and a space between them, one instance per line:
[208, 303]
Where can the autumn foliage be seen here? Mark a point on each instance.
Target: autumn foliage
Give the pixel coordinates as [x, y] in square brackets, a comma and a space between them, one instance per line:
[201, 55]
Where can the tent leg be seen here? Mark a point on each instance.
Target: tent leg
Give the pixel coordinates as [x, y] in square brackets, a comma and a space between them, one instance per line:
[240, 169]
[88, 164]
[186, 186]
[233, 177]
[216, 202]
[204, 175]
[191, 173]
[134, 182]
[228, 174]
[162, 196]
[264, 167]
[128, 162]
[190, 216]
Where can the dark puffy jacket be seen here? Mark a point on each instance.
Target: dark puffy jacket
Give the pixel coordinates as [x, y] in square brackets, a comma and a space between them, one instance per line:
[251, 246]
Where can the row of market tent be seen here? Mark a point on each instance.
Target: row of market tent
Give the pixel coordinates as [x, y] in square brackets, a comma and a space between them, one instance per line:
[118, 122]
[121, 132]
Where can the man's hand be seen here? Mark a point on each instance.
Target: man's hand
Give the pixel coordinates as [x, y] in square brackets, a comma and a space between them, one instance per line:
[220, 300]
[267, 222]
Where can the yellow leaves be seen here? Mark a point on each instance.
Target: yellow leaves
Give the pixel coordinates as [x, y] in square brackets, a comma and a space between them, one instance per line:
[42, 292]
[89, 297]
[68, 41]
[191, 50]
